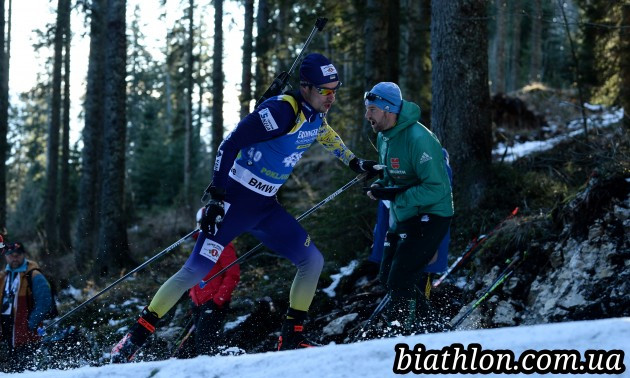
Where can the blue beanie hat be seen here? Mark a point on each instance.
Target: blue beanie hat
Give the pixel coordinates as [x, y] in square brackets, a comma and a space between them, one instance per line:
[317, 69]
[386, 96]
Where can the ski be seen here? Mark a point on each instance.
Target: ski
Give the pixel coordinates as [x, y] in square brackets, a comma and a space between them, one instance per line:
[472, 248]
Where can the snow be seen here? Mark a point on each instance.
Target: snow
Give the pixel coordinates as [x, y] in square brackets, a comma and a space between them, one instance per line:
[336, 278]
[374, 358]
[575, 128]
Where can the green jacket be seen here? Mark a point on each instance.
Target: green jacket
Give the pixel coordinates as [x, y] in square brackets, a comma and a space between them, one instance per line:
[414, 159]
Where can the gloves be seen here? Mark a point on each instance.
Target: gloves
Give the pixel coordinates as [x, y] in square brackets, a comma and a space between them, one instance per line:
[214, 211]
[369, 166]
[388, 194]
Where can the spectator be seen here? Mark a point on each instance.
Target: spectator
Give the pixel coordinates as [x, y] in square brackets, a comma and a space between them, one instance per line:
[25, 302]
[418, 186]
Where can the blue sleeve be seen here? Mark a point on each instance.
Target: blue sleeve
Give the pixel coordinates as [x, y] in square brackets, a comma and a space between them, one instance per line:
[43, 301]
[447, 165]
[272, 119]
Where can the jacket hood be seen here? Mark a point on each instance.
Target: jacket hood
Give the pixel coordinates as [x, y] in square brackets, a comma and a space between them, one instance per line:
[409, 114]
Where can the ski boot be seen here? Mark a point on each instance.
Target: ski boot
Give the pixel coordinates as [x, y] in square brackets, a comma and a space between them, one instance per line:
[400, 317]
[127, 348]
[292, 335]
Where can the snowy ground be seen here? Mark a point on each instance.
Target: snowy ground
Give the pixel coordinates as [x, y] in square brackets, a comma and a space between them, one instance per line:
[606, 118]
[376, 358]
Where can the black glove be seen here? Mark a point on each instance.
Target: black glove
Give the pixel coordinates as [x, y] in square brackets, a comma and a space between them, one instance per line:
[214, 211]
[369, 166]
[388, 194]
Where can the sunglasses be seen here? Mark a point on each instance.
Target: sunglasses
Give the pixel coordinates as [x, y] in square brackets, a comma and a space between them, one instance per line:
[323, 91]
[371, 97]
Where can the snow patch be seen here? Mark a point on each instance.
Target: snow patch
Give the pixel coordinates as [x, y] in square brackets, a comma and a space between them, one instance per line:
[344, 271]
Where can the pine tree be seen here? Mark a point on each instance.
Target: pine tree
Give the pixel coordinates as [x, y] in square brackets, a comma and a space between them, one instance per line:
[460, 106]
[4, 112]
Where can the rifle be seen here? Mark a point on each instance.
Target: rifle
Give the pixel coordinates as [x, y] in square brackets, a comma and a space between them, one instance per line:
[280, 82]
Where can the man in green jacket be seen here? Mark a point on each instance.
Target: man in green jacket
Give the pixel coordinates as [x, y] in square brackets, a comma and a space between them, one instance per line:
[416, 182]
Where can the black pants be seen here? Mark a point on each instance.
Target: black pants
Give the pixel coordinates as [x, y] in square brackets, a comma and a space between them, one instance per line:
[208, 324]
[14, 360]
[410, 247]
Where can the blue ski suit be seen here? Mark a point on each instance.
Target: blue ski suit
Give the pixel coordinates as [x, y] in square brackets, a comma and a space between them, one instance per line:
[251, 165]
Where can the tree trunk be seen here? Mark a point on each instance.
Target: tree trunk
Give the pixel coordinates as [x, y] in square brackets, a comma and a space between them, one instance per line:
[499, 48]
[246, 80]
[113, 245]
[89, 188]
[52, 155]
[460, 109]
[168, 89]
[415, 84]
[188, 132]
[393, 40]
[381, 51]
[263, 77]
[64, 184]
[217, 79]
[515, 46]
[4, 117]
[281, 51]
[624, 64]
[535, 63]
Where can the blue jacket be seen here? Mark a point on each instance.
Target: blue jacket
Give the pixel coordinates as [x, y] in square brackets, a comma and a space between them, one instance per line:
[31, 304]
[266, 145]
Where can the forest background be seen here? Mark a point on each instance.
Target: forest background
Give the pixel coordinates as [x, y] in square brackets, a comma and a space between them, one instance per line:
[150, 127]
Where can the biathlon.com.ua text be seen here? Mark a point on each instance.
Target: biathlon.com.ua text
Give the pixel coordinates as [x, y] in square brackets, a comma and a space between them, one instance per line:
[455, 359]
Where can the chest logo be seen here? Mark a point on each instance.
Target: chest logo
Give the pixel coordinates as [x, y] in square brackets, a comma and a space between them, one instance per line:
[394, 162]
[291, 160]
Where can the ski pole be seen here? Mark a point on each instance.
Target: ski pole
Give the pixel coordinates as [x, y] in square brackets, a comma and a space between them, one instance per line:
[188, 330]
[306, 214]
[472, 248]
[507, 272]
[42, 330]
[379, 308]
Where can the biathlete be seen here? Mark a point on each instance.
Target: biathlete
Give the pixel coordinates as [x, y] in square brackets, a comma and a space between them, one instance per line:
[251, 165]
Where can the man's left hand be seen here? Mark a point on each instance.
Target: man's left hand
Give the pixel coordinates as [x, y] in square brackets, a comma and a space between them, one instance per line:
[387, 194]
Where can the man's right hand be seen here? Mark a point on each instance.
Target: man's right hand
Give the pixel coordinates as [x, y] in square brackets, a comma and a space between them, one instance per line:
[212, 217]
[214, 211]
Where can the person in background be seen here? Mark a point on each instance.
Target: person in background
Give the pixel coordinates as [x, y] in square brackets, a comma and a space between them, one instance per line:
[416, 183]
[438, 264]
[26, 298]
[251, 165]
[211, 303]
